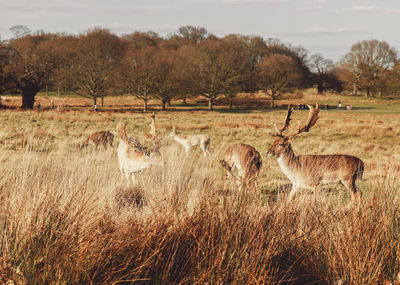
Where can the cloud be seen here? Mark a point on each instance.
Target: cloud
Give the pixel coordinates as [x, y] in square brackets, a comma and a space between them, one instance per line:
[76, 7]
[322, 31]
[372, 10]
[317, 2]
[252, 2]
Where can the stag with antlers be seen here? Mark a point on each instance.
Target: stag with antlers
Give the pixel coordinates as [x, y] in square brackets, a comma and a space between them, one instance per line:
[133, 156]
[312, 171]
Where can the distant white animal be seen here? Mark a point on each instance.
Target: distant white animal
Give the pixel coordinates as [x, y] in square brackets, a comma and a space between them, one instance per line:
[188, 141]
[133, 157]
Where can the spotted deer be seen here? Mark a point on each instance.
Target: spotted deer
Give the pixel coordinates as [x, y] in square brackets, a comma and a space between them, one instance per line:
[312, 171]
[247, 160]
[97, 138]
[189, 141]
[133, 156]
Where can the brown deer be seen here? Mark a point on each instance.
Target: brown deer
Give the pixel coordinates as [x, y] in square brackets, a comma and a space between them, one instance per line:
[102, 137]
[247, 160]
[312, 171]
[188, 141]
[133, 156]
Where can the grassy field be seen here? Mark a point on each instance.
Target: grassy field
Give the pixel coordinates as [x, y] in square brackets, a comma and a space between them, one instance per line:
[67, 217]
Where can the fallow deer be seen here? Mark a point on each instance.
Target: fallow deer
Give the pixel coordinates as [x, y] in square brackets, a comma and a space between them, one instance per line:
[247, 160]
[133, 156]
[312, 171]
[152, 136]
[188, 141]
[102, 137]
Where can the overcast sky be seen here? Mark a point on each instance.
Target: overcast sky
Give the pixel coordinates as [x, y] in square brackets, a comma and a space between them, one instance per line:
[328, 27]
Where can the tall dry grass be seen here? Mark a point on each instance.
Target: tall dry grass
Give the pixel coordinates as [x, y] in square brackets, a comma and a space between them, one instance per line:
[67, 217]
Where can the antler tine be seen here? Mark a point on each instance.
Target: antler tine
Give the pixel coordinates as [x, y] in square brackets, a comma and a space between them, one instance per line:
[311, 120]
[287, 119]
[286, 124]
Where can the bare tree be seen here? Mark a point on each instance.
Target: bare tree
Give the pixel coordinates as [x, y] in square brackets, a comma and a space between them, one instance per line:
[367, 64]
[277, 74]
[20, 31]
[321, 68]
[98, 57]
[139, 74]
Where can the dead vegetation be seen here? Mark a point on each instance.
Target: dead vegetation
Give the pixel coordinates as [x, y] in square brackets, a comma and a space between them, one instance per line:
[67, 218]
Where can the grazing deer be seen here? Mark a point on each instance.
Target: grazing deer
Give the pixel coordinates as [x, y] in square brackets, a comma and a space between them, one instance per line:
[247, 160]
[102, 137]
[312, 171]
[133, 157]
[188, 141]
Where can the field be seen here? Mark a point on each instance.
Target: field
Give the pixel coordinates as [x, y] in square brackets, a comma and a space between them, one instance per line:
[67, 217]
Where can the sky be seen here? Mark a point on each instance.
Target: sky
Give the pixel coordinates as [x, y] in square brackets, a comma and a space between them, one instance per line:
[326, 27]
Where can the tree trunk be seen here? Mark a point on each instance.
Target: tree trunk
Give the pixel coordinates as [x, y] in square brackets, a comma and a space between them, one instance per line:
[230, 103]
[210, 104]
[145, 105]
[102, 101]
[28, 98]
[354, 89]
[184, 100]
[95, 100]
[368, 93]
[58, 90]
[272, 102]
[47, 90]
[320, 87]
[163, 102]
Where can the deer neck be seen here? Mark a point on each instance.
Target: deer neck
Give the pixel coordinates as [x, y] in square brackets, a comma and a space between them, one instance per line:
[179, 139]
[288, 159]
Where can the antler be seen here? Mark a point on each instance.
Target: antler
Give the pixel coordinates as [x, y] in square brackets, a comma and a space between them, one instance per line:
[311, 120]
[286, 124]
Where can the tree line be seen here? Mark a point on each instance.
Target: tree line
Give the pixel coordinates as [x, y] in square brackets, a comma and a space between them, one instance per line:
[188, 63]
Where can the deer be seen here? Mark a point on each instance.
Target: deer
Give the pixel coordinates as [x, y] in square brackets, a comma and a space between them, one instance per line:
[133, 156]
[247, 160]
[102, 137]
[152, 136]
[313, 171]
[188, 141]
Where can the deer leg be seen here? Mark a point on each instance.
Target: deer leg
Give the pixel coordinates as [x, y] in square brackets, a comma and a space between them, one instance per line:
[204, 151]
[187, 150]
[228, 176]
[295, 188]
[354, 192]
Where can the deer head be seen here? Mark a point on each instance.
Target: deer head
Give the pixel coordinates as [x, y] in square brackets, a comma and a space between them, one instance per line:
[282, 144]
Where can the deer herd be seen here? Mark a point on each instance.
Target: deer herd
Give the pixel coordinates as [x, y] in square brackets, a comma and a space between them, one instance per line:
[304, 171]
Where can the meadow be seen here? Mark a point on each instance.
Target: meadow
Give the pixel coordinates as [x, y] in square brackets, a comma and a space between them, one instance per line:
[67, 217]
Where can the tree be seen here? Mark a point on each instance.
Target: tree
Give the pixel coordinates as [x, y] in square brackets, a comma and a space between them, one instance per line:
[167, 81]
[367, 65]
[239, 59]
[139, 73]
[139, 40]
[20, 31]
[321, 68]
[98, 58]
[65, 52]
[277, 74]
[31, 60]
[190, 35]
[211, 69]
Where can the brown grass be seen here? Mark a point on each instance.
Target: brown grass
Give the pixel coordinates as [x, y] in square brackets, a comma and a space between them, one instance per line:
[66, 217]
